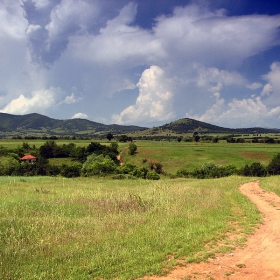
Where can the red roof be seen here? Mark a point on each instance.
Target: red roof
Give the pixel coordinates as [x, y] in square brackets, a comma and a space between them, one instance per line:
[28, 157]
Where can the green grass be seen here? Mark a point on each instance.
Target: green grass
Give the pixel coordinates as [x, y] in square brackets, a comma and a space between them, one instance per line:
[174, 155]
[14, 143]
[86, 228]
[271, 184]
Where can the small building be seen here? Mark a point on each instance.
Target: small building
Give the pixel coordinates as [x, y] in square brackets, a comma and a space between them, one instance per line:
[29, 159]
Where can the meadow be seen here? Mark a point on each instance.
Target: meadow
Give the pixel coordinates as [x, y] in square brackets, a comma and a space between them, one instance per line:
[174, 155]
[97, 228]
[100, 228]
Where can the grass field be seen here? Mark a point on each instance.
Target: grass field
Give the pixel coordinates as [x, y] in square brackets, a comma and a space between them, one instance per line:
[174, 155]
[271, 184]
[97, 228]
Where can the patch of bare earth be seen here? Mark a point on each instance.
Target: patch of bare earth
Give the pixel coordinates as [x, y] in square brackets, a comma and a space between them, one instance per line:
[259, 259]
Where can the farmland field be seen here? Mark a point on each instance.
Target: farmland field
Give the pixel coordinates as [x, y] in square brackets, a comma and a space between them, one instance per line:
[98, 228]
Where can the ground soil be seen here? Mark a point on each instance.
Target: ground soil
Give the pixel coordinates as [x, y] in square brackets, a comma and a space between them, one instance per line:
[258, 260]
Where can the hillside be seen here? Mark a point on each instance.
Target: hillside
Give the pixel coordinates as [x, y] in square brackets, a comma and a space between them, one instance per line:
[187, 125]
[38, 125]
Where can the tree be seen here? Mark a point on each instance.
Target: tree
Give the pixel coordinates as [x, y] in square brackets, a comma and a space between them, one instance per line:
[109, 136]
[123, 138]
[48, 150]
[132, 148]
[71, 171]
[273, 167]
[98, 165]
[179, 139]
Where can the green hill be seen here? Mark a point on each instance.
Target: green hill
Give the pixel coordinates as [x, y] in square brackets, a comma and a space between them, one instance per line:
[38, 125]
[187, 125]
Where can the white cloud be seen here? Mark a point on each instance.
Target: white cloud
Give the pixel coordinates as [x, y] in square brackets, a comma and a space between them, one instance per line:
[12, 22]
[211, 75]
[272, 89]
[119, 43]
[195, 34]
[41, 4]
[96, 47]
[154, 102]
[267, 90]
[80, 116]
[71, 99]
[37, 102]
[239, 113]
[254, 86]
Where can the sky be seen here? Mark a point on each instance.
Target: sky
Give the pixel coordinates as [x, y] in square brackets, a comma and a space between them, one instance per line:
[142, 62]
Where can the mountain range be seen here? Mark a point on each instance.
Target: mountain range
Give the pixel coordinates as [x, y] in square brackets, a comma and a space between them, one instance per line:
[38, 125]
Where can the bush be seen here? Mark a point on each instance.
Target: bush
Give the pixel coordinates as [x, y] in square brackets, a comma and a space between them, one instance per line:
[132, 148]
[71, 171]
[156, 166]
[273, 167]
[183, 173]
[255, 169]
[133, 170]
[152, 176]
[98, 165]
[208, 170]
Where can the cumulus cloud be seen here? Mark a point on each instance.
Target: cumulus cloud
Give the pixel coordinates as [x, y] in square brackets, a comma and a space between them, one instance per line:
[154, 102]
[80, 116]
[208, 76]
[254, 86]
[71, 99]
[272, 88]
[239, 113]
[96, 47]
[38, 101]
[267, 90]
[194, 33]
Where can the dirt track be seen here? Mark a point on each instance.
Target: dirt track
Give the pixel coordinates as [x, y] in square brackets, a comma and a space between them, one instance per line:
[258, 260]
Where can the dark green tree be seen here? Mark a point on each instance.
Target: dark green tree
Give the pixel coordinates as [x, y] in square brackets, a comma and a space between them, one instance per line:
[273, 167]
[109, 136]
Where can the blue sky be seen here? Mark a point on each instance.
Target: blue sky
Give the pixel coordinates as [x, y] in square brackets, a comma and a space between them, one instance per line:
[142, 62]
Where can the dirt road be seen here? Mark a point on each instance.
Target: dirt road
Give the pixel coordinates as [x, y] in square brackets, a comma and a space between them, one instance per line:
[258, 260]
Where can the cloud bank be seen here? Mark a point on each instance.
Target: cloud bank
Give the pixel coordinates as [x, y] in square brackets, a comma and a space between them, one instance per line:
[60, 57]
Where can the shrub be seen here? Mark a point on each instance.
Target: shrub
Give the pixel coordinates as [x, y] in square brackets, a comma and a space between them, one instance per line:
[132, 148]
[152, 176]
[255, 169]
[71, 171]
[98, 165]
[273, 167]
[133, 170]
[156, 166]
[183, 173]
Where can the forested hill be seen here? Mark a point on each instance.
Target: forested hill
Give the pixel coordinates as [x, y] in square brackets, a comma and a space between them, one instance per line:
[36, 124]
[39, 125]
[187, 125]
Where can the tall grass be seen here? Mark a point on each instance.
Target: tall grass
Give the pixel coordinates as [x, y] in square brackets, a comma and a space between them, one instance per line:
[271, 184]
[102, 229]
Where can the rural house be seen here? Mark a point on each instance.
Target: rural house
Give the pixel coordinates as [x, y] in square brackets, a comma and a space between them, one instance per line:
[29, 158]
